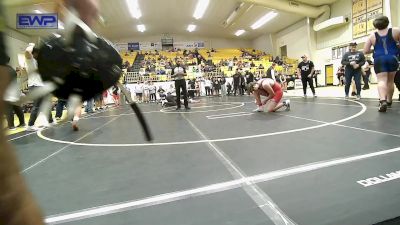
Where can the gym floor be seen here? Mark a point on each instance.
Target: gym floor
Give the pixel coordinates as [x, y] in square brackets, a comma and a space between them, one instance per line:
[327, 161]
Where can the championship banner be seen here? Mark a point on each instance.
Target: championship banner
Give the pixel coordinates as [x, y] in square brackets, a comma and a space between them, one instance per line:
[360, 26]
[374, 10]
[374, 5]
[121, 47]
[364, 13]
[359, 7]
[133, 46]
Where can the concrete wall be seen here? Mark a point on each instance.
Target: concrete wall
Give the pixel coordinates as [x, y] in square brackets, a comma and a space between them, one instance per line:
[395, 6]
[295, 38]
[265, 43]
[16, 44]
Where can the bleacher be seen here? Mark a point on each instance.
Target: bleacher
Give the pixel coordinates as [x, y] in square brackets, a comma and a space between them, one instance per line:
[128, 56]
[220, 54]
[207, 54]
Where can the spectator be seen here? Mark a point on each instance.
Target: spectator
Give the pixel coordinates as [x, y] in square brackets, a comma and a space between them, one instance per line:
[305, 69]
[139, 92]
[12, 95]
[34, 82]
[179, 74]
[353, 61]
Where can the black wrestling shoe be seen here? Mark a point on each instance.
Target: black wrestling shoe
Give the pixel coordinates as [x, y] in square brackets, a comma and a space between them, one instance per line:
[382, 106]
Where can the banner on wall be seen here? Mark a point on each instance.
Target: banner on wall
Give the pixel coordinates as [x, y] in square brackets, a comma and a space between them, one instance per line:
[148, 46]
[133, 46]
[371, 17]
[151, 46]
[364, 13]
[360, 26]
[189, 45]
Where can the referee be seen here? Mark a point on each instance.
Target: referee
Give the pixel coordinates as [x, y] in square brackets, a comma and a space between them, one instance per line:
[179, 74]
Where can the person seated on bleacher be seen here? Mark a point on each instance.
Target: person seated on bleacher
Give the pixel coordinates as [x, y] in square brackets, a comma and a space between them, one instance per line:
[252, 64]
[261, 67]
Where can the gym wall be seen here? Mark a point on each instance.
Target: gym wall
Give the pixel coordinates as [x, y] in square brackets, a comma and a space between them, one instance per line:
[16, 44]
[265, 43]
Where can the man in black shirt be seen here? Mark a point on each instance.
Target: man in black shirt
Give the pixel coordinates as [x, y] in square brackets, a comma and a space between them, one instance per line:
[236, 81]
[249, 77]
[179, 73]
[242, 87]
[353, 61]
[271, 72]
[305, 70]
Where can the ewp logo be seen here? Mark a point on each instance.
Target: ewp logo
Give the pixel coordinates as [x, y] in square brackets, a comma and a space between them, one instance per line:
[37, 21]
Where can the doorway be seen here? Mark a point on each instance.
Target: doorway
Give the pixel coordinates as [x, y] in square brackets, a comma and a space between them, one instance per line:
[329, 74]
[283, 51]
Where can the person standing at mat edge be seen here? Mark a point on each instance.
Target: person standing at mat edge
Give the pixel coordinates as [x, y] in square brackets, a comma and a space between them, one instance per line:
[179, 73]
[305, 70]
[386, 49]
[353, 61]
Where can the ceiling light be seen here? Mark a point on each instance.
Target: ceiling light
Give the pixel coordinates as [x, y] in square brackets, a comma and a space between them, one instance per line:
[191, 28]
[239, 32]
[141, 28]
[263, 20]
[37, 11]
[200, 8]
[134, 9]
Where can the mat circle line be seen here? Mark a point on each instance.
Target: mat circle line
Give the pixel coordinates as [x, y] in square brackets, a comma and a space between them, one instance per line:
[364, 108]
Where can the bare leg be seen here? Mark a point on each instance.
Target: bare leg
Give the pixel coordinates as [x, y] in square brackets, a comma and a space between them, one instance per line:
[382, 85]
[390, 86]
[258, 98]
[272, 106]
[77, 116]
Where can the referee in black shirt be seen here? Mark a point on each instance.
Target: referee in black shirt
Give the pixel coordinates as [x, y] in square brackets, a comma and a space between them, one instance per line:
[179, 73]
